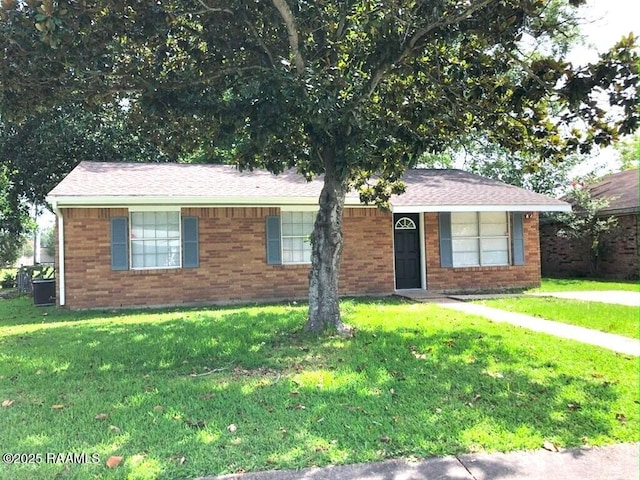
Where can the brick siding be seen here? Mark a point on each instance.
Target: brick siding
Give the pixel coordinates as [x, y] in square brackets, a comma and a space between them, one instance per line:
[232, 266]
[562, 257]
[482, 278]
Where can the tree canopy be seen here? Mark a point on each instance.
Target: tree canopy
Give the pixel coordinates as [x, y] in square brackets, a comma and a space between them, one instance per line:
[348, 89]
[39, 152]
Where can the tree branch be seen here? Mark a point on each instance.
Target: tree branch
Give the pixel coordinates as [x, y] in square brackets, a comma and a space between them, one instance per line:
[260, 42]
[444, 21]
[213, 9]
[289, 21]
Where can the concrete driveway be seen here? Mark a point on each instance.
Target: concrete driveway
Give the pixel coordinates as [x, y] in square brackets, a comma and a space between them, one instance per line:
[631, 299]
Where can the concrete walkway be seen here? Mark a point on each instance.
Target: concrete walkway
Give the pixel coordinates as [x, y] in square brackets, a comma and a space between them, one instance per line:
[617, 343]
[615, 462]
[631, 299]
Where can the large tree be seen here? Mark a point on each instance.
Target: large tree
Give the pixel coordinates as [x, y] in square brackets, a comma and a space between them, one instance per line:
[40, 151]
[353, 90]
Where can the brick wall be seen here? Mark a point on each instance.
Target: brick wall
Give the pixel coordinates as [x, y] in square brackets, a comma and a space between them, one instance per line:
[233, 267]
[232, 261]
[482, 278]
[562, 257]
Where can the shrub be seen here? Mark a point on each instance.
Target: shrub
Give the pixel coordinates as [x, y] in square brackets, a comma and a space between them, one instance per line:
[8, 280]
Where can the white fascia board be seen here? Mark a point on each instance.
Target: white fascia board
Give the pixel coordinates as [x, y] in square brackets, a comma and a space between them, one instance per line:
[480, 208]
[289, 203]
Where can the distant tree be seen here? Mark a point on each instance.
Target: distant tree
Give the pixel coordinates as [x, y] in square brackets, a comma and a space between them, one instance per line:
[629, 149]
[41, 151]
[587, 225]
[522, 169]
[14, 221]
[48, 240]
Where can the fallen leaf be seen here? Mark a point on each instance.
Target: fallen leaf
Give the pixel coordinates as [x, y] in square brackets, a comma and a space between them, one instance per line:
[198, 424]
[547, 445]
[385, 439]
[298, 407]
[57, 406]
[7, 403]
[101, 416]
[158, 408]
[113, 461]
[621, 417]
[39, 372]
[114, 429]
[574, 406]
[232, 428]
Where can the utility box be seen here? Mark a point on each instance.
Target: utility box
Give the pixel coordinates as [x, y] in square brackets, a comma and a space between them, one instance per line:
[44, 292]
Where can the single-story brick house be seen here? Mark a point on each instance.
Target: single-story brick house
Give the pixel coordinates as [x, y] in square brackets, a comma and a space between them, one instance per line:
[566, 257]
[131, 234]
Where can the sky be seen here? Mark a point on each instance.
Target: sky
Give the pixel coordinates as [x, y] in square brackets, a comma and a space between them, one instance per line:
[605, 23]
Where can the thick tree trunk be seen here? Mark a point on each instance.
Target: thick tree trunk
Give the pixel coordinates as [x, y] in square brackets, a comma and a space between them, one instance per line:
[324, 308]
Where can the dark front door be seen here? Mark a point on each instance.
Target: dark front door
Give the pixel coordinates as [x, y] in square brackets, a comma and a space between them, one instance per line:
[406, 235]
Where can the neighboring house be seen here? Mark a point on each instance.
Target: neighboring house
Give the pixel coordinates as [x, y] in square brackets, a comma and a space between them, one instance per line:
[562, 257]
[160, 234]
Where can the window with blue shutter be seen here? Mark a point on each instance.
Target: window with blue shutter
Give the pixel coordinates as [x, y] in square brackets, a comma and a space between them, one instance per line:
[273, 240]
[190, 255]
[444, 229]
[119, 243]
[517, 239]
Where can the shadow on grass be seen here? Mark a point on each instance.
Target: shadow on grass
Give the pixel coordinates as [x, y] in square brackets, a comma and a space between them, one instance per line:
[209, 392]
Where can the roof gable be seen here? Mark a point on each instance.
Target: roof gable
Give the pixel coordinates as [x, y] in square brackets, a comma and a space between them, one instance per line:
[110, 183]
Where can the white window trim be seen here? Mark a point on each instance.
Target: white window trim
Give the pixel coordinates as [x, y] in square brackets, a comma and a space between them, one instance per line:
[408, 224]
[283, 236]
[479, 239]
[156, 209]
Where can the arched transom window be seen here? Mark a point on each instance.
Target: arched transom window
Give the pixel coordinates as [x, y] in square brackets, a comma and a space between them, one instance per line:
[405, 223]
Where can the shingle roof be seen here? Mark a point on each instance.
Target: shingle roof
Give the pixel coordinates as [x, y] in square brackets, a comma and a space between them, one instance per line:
[431, 189]
[620, 189]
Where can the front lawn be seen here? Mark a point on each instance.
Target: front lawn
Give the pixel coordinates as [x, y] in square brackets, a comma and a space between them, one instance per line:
[188, 392]
[610, 318]
[581, 284]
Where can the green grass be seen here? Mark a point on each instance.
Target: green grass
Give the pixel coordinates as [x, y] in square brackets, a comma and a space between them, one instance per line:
[610, 318]
[186, 393]
[579, 284]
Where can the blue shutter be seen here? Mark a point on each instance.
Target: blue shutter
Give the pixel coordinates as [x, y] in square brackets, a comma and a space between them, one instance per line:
[190, 257]
[517, 239]
[119, 243]
[446, 248]
[274, 250]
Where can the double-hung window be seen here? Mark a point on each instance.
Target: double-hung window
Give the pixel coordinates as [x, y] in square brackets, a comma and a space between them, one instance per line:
[155, 240]
[296, 233]
[479, 238]
[288, 237]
